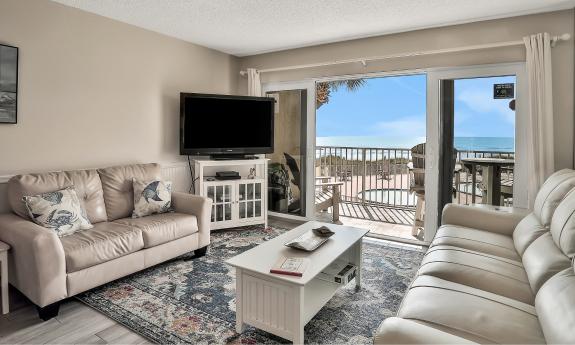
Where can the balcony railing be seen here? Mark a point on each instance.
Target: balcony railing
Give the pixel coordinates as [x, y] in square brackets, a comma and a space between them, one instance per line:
[381, 175]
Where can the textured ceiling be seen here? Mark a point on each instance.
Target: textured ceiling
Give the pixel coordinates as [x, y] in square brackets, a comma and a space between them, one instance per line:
[247, 27]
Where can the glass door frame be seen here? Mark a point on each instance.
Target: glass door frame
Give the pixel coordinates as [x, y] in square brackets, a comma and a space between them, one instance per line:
[309, 86]
[434, 78]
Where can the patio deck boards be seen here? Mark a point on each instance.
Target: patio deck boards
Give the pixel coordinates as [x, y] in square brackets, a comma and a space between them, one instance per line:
[376, 213]
[388, 221]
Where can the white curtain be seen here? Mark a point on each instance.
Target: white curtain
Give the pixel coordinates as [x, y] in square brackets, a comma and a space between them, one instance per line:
[254, 82]
[541, 160]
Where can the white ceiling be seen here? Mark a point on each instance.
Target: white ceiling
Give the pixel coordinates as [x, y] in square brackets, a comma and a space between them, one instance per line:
[247, 27]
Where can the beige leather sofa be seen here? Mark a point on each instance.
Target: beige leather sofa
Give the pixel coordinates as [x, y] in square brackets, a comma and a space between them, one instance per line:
[48, 269]
[495, 277]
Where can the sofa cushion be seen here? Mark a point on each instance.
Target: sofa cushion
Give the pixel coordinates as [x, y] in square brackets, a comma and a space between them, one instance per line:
[542, 260]
[471, 313]
[563, 225]
[161, 228]
[86, 183]
[476, 240]
[491, 273]
[555, 304]
[105, 242]
[118, 189]
[395, 330]
[551, 193]
[527, 231]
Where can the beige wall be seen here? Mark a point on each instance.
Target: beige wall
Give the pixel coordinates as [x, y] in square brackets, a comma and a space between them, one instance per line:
[96, 92]
[509, 29]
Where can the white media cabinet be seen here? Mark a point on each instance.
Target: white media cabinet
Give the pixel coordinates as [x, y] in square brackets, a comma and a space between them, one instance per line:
[236, 202]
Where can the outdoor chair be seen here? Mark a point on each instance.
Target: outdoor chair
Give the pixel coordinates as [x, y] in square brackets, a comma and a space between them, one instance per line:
[295, 204]
[417, 183]
[279, 189]
[327, 194]
[344, 174]
[384, 171]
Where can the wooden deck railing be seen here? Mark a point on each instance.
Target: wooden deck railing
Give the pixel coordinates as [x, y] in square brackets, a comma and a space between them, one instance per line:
[381, 175]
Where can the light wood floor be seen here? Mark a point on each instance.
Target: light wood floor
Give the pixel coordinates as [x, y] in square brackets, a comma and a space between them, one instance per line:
[75, 324]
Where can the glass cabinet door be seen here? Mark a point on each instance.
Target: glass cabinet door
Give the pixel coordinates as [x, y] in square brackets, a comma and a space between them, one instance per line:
[222, 196]
[250, 201]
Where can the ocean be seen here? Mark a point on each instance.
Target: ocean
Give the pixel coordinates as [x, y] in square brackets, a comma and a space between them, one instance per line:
[498, 144]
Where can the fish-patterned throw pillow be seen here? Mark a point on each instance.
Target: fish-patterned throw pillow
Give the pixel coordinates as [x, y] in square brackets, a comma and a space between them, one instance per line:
[60, 211]
[151, 197]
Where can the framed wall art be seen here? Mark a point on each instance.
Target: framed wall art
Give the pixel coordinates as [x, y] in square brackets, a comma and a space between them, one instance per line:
[8, 84]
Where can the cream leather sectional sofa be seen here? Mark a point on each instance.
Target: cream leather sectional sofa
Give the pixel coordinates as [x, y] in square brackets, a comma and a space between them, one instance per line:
[495, 277]
[48, 269]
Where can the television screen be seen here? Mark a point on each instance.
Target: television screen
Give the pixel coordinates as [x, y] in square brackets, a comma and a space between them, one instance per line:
[220, 124]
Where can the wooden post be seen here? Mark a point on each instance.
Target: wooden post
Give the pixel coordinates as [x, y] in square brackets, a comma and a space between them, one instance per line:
[488, 185]
[496, 185]
[336, 199]
[473, 182]
[363, 176]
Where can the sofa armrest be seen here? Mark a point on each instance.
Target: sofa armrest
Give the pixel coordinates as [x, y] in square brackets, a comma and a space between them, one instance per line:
[501, 220]
[395, 330]
[37, 261]
[198, 206]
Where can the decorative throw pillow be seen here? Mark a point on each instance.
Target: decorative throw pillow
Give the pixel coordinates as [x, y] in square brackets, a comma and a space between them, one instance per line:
[60, 210]
[151, 197]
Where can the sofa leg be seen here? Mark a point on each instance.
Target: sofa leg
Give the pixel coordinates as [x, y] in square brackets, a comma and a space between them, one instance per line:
[49, 311]
[198, 253]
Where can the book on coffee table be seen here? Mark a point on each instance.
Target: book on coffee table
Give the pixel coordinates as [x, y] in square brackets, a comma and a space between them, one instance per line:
[291, 266]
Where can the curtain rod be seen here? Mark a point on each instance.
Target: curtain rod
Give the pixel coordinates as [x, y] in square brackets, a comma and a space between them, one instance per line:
[365, 60]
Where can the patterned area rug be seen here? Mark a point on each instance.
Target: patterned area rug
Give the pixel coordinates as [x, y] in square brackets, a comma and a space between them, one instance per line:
[193, 301]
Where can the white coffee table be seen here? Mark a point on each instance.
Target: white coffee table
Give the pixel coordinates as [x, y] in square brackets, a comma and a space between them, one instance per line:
[283, 305]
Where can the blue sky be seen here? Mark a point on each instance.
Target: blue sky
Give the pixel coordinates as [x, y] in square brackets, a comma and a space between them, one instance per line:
[394, 107]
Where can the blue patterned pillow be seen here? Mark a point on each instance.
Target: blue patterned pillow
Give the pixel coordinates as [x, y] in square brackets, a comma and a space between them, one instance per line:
[151, 197]
[60, 211]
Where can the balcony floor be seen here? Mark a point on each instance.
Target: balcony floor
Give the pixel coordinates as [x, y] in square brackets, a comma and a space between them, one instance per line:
[380, 220]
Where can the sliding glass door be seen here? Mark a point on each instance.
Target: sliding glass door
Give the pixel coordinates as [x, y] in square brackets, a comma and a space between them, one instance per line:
[477, 135]
[370, 145]
[288, 180]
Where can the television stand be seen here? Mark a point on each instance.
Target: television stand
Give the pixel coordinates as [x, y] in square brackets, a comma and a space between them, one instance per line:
[237, 202]
[232, 157]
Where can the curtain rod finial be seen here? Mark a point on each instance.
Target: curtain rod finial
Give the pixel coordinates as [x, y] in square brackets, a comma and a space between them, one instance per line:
[562, 37]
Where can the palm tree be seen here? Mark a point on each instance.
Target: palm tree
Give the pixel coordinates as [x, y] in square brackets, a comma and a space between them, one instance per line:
[323, 89]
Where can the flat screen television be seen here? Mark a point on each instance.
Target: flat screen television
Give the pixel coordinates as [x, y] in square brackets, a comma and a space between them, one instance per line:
[223, 125]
